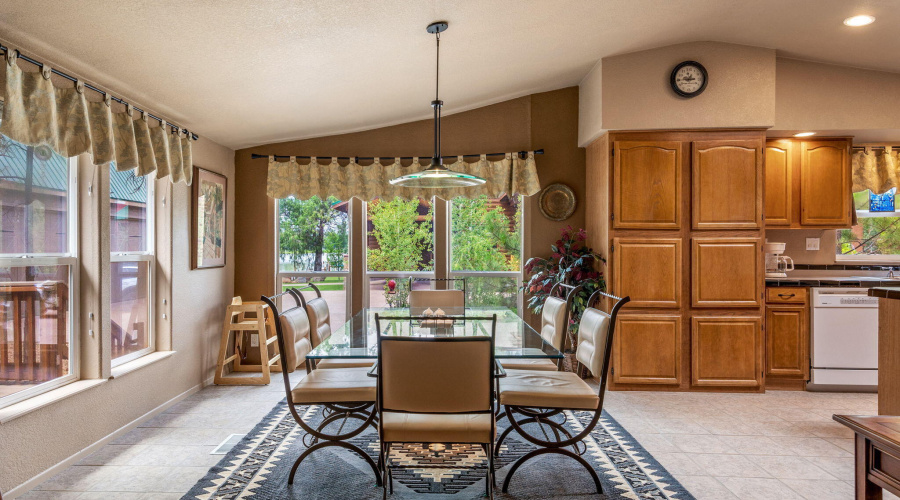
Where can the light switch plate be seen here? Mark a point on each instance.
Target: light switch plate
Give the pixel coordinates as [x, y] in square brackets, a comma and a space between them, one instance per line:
[812, 243]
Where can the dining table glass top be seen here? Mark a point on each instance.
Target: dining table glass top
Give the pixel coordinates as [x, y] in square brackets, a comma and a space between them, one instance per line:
[358, 337]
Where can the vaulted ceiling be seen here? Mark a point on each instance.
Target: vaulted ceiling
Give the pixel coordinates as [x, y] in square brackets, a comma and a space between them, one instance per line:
[244, 73]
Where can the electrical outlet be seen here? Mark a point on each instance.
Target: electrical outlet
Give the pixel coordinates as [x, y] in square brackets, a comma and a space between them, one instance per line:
[812, 243]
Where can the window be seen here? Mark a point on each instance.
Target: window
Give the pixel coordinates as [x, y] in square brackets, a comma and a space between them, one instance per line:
[131, 264]
[314, 247]
[399, 245]
[38, 270]
[485, 248]
[876, 235]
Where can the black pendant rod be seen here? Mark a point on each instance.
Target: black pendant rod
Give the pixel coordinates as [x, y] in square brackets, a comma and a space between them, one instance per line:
[102, 92]
[522, 154]
[437, 104]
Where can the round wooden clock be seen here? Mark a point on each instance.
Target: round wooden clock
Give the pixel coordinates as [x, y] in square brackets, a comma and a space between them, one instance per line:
[689, 79]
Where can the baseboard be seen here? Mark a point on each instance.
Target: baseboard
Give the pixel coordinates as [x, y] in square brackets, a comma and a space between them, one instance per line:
[56, 469]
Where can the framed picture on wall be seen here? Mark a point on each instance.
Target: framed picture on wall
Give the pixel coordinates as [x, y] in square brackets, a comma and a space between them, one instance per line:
[208, 195]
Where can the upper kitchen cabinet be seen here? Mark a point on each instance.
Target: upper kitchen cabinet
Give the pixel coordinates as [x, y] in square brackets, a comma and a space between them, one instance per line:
[647, 185]
[727, 184]
[825, 183]
[779, 172]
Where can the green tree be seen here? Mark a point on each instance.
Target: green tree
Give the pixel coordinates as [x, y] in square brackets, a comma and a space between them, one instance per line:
[402, 238]
[482, 238]
[304, 226]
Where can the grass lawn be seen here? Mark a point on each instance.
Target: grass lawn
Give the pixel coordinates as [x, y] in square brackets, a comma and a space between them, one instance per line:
[331, 283]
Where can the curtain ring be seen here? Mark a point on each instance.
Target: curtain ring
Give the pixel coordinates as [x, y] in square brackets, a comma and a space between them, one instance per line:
[313, 161]
[11, 56]
[107, 99]
[46, 71]
[79, 86]
[271, 158]
[144, 116]
[376, 161]
[459, 159]
[483, 157]
[415, 162]
[292, 159]
[130, 110]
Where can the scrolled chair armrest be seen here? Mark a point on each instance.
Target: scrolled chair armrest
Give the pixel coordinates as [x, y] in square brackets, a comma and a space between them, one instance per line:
[499, 372]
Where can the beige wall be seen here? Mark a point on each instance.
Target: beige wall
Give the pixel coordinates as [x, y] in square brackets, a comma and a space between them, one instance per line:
[36, 441]
[815, 96]
[740, 94]
[590, 106]
[795, 244]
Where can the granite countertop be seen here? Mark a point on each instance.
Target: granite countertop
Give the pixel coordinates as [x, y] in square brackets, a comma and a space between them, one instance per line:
[852, 281]
[885, 292]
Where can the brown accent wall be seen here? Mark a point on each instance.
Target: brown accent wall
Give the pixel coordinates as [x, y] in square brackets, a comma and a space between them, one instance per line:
[547, 120]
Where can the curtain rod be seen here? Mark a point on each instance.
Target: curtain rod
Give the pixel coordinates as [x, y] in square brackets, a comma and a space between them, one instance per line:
[101, 92]
[521, 154]
[873, 147]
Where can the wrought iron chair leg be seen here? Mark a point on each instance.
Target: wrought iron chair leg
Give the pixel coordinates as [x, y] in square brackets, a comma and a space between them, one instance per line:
[544, 451]
[365, 456]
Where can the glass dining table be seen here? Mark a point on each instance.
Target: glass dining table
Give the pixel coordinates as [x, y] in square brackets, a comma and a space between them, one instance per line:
[358, 337]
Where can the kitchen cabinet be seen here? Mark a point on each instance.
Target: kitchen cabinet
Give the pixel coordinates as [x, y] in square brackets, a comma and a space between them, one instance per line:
[726, 184]
[726, 351]
[648, 270]
[725, 272]
[779, 175]
[647, 185]
[808, 183]
[647, 349]
[787, 337]
[825, 183]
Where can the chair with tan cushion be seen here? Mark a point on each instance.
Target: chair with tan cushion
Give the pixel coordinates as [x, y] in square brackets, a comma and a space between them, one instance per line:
[347, 393]
[533, 396]
[554, 324]
[436, 390]
[452, 300]
[320, 324]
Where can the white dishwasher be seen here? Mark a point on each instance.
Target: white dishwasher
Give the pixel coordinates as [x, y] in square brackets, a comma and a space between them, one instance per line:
[844, 340]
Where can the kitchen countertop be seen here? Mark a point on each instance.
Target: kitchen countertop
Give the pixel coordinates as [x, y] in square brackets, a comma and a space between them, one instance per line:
[851, 281]
[885, 292]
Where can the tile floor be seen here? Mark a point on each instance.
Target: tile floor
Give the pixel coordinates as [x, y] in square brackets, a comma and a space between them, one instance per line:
[778, 445]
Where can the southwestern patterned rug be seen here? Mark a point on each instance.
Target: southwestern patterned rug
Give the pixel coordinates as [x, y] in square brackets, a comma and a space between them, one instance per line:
[258, 467]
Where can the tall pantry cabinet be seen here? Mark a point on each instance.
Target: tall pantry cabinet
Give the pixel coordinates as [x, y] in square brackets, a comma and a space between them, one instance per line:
[685, 231]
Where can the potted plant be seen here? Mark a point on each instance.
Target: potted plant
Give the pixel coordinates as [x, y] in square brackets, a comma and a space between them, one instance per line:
[572, 262]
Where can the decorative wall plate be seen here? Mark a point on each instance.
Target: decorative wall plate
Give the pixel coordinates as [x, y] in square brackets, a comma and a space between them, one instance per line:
[557, 202]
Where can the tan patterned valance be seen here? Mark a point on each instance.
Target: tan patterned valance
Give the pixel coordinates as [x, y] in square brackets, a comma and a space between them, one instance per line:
[876, 170]
[36, 112]
[511, 175]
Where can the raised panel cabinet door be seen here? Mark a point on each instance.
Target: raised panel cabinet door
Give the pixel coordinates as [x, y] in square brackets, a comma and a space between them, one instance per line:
[648, 270]
[647, 185]
[647, 349]
[787, 341]
[779, 168]
[726, 272]
[727, 184]
[726, 351]
[825, 184]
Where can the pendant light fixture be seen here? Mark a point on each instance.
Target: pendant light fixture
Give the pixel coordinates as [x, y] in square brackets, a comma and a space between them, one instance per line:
[437, 175]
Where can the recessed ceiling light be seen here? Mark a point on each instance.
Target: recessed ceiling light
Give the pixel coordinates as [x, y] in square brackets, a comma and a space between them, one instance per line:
[804, 134]
[859, 20]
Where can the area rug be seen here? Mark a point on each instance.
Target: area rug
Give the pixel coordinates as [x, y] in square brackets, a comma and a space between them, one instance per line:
[258, 467]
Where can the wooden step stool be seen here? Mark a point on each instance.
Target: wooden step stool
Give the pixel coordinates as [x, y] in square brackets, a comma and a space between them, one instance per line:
[261, 325]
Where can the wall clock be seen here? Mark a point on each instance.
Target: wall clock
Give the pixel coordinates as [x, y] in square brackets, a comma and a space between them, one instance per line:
[689, 79]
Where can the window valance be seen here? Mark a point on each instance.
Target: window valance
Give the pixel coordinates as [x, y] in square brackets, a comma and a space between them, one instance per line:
[36, 112]
[510, 175]
[876, 170]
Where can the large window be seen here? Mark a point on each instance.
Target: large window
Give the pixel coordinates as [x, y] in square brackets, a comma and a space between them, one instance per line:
[38, 269]
[314, 247]
[485, 249]
[132, 263]
[876, 235]
[399, 245]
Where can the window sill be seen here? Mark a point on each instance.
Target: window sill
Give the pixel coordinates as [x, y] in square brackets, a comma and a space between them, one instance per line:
[31, 404]
[137, 364]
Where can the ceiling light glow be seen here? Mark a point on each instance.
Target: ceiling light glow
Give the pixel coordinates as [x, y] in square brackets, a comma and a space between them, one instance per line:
[804, 134]
[859, 21]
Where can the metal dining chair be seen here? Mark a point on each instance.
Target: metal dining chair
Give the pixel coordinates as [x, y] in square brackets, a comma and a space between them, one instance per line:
[346, 393]
[538, 395]
[436, 390]
[320, 323]
[554, 326]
